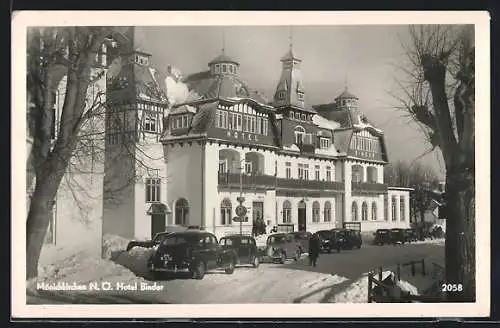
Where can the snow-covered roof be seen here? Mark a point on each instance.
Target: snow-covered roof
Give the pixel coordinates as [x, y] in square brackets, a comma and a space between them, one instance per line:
[324, 123]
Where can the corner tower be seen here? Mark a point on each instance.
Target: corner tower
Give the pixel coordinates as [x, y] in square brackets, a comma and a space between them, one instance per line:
[290, 90]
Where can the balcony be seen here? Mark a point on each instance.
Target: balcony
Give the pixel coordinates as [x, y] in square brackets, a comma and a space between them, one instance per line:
[232, 180]
[309, 184]
[362, 188]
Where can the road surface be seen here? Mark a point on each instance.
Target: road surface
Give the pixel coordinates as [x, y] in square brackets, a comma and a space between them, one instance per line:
[292, 282]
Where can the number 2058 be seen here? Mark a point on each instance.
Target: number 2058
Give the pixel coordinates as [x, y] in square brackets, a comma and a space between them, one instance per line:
[451, 287]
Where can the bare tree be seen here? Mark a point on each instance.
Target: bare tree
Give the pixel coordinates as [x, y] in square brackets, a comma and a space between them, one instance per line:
[67, 54]
[440, 97]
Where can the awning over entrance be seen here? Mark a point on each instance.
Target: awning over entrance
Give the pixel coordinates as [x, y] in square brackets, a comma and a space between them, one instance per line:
[158, 208]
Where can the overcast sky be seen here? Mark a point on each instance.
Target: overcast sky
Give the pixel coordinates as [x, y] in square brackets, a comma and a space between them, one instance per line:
[367, 55]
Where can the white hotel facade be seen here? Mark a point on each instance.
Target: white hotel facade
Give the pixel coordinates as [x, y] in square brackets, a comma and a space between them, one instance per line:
[300, 167]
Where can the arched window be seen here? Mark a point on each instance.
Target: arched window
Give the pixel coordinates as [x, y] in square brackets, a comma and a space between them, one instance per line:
[402, 208]
[299, 134]
[226, 209]
[354, 211]
[287, 212]
[328, 212]
[374, 211]
[316, 209]
[181, 212]
[364, 212]
[394, 208]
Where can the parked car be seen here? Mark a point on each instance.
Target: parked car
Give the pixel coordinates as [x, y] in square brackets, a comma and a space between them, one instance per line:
[398, 236]
[302, 237]
[410, 235]
[352, 239]
[382, 237]
[330, 240]
[282, 246]
[193, 252]
[245, 248]
[148, 243]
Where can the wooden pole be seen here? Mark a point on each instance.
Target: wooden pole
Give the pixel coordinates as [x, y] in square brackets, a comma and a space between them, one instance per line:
[370, 277]
[380, 274]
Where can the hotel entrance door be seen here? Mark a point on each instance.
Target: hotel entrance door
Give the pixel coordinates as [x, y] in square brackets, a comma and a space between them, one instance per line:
[302, 216]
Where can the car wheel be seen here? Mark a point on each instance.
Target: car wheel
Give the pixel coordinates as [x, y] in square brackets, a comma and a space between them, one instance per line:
[283, 258]
[256, 262]
[229, 269]
[199, 271]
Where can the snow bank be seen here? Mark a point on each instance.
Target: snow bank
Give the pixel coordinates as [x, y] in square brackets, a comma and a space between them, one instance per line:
[437, 241]
[113, 245]
[136, 260]
[81, 268]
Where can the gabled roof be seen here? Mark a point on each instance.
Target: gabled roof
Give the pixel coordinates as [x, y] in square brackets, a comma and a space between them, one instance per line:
[150, 84]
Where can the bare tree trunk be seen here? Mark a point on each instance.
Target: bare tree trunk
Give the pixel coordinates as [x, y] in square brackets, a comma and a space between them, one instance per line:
[460, 234]
[36, 227]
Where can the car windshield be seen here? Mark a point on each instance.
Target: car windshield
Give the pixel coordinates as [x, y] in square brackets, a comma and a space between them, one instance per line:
[324, 234]
[276, 239]
[226, 242]
[175, 240]
[159, 237]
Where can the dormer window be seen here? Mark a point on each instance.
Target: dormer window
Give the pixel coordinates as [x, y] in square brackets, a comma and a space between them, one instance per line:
[281, 95]
[299, 135]
[324, 143]
[300, 96]
[303, 116]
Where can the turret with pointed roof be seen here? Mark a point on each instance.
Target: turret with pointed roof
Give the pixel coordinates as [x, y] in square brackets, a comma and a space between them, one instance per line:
[290, 90]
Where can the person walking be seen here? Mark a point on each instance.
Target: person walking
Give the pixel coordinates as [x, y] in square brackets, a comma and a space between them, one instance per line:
[313, 250]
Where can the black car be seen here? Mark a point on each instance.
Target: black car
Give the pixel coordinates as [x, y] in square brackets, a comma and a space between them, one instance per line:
[192, 252]
[244, 247]
[352, 239]
[148, 243]
[330, 240]
[382, 237]
[282, 246]
[410, 235]
[302, 238]
[398, 236]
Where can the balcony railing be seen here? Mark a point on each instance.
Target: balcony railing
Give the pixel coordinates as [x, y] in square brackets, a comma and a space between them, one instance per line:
[232, 180]
[368, 188]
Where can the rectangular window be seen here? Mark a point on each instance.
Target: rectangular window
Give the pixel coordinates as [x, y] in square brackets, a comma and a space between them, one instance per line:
[264, 127]
[150, 123]
[217, 68]
[328, 173]
[245, 123]
[324, 143]
[248, 168]
[224, 68]
[230, 121]
[300, 171]
[153, 190]
[184, 121]
[224, 119]
[259, 124]
[223, 166]
[306, 171]
[316, 172]
[238, 121]
[288, 170]
[219, 119]
[252, 127]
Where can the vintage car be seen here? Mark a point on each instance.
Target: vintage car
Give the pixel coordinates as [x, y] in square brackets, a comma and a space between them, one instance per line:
[302, 237]
[191, 251]
[244, 247]
[282, 246]
[398, 236]
[382, 237]
[410, 235]
[330, 240]
[352, 239]
[147, 243]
